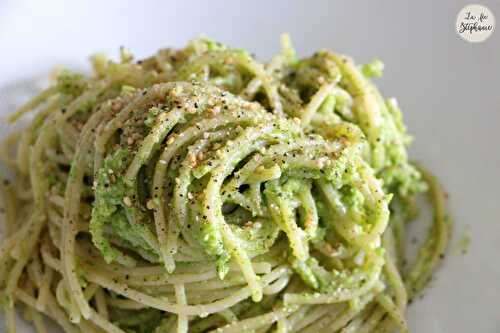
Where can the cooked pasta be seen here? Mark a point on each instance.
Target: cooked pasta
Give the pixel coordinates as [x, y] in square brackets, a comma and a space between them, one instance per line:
[199, 190]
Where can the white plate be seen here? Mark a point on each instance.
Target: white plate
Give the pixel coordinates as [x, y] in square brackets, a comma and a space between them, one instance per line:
[448, 89]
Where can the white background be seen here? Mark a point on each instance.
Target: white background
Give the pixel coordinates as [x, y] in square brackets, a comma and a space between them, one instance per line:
[449, 91]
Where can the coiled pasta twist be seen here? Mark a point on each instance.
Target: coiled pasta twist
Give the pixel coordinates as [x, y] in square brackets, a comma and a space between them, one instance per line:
[201, 191]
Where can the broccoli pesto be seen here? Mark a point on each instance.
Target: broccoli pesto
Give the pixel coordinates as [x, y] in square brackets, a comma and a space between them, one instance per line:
[200, 190]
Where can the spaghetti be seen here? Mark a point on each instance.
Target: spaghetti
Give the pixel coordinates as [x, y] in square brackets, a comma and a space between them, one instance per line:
[199, 190]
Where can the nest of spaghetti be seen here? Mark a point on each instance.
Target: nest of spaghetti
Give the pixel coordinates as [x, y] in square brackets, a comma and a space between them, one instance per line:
[202, 191]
